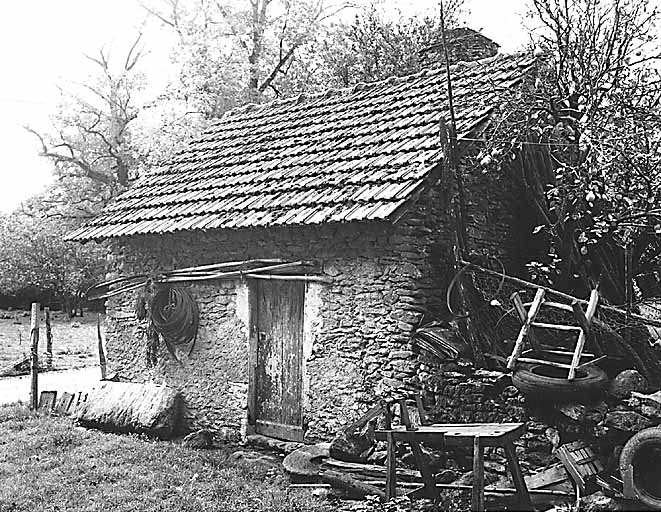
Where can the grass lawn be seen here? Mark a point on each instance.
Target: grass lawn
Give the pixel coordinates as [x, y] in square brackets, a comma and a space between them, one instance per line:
[74, 341]
[48, 464]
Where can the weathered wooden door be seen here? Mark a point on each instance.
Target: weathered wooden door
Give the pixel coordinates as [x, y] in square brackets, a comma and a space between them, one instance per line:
[278, 377]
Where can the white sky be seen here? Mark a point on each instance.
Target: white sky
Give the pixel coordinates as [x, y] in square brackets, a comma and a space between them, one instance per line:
[43, 41]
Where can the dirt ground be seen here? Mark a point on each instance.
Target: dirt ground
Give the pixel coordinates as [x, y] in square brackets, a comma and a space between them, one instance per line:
[74, 340]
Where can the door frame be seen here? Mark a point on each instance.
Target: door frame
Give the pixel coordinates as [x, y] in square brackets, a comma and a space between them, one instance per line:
[291, 432]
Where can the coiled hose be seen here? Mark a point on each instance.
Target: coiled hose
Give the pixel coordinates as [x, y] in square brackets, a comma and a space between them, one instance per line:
[175, 316]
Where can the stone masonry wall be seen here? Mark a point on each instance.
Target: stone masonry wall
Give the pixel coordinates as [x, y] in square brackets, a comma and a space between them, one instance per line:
[357, 328]
[384, 277]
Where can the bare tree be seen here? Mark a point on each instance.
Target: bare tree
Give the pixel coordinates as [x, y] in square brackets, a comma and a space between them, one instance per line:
[90, 143]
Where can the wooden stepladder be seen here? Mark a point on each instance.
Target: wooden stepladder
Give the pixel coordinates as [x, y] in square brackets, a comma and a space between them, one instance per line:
[529, 325]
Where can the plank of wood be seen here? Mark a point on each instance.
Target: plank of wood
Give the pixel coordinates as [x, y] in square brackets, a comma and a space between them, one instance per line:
[522, 314]
[391, 467]
[586, 325]
[592, 308]
[544, 361]
[549, 476]
[477, 493]
[371, 413]
[416, 450]
[532, 314]
[557, 327]
[517, 477]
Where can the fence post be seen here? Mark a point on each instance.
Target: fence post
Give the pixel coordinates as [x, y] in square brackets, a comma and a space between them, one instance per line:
[102, 355]
[34, 360]
[49, 341]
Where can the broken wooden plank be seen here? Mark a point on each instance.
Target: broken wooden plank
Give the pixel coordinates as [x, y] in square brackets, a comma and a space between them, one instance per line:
[64, 403]
[47, 400]
[550, 476]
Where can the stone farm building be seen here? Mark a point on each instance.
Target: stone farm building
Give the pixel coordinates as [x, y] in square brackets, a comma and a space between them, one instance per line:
[353, 180]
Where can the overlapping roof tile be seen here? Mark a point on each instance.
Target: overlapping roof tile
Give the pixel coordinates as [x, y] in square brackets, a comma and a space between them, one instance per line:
[347, 155]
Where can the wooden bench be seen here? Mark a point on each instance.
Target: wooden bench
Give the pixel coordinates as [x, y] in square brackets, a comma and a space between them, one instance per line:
[477, 435]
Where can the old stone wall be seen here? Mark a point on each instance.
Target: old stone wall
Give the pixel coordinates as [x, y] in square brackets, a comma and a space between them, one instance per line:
[357, 327]
[385, 277]
[481, 396]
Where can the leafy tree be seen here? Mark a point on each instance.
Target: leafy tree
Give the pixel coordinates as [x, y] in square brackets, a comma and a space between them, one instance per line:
[591, 163]
[374, 48]
[36, 264]
[230, 53]
[90, 143]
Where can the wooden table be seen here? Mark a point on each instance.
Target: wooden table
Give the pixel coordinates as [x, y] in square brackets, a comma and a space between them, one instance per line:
[477, 435]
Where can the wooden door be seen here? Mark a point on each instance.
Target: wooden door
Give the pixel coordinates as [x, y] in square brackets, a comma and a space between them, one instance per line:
[278, 377]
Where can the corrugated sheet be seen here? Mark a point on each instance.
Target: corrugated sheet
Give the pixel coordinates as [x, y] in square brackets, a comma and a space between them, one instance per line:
[348, 155]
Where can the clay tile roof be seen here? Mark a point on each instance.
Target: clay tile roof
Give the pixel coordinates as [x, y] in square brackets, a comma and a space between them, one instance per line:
[346, 155]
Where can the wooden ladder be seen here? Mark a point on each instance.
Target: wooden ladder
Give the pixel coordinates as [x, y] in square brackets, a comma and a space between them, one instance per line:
[529, 325]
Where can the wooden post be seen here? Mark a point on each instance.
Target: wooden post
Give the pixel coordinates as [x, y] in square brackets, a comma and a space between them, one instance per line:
[391, 467]
[477, 495]
[34, 360]
[49, 340]
[102, 355]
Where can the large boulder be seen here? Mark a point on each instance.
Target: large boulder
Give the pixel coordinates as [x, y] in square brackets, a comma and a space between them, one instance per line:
[131, 407]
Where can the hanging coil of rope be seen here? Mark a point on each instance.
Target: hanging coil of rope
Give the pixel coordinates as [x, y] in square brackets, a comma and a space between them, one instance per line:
[175, 316]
